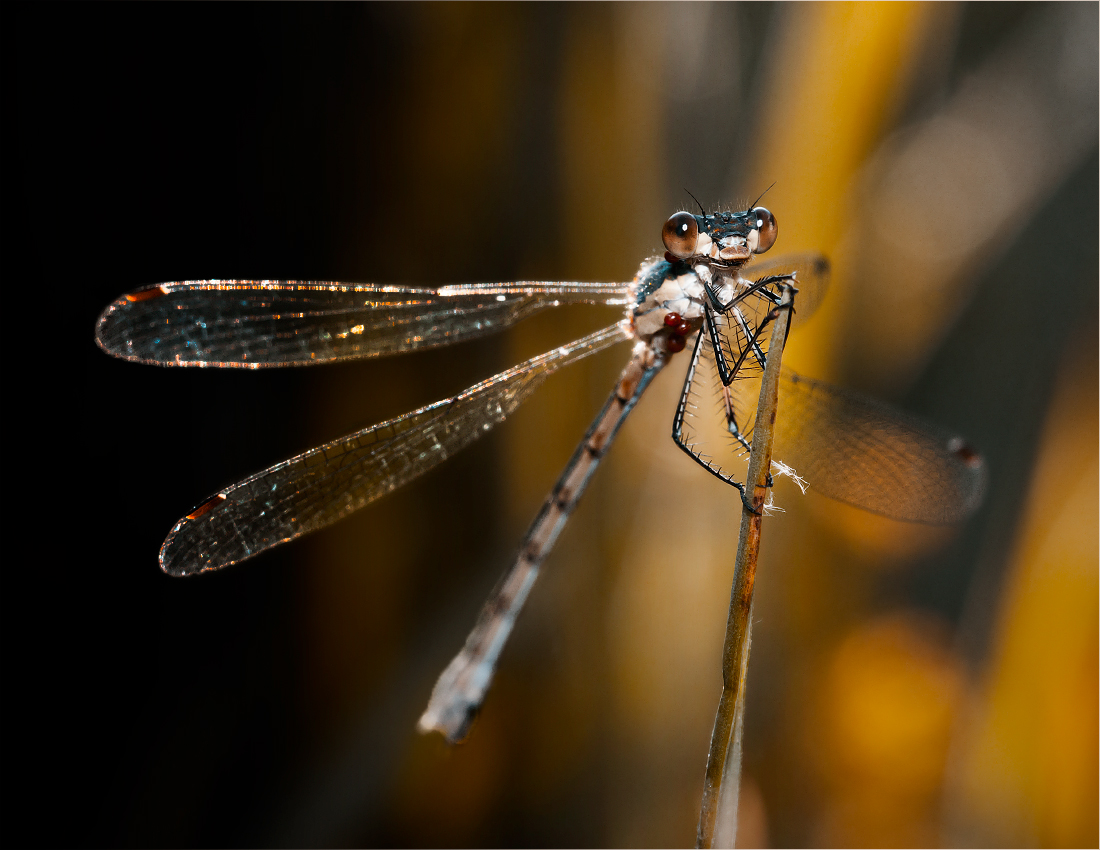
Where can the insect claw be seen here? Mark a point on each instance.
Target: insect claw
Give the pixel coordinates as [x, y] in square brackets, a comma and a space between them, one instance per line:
[747, 502]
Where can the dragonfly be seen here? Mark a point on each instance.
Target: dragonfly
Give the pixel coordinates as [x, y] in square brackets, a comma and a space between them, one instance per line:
[708, 291]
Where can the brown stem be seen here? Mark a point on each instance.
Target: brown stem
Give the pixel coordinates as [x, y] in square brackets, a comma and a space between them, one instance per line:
[718, 813]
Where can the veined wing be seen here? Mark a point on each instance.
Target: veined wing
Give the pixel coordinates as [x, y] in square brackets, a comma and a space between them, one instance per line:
[322, 485]
[812, 280]
[864, 452]
[715, 421]
[253, 324]
[742, 328]
[843, 444]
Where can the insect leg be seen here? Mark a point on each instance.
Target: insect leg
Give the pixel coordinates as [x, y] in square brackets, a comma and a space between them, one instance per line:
[759, 287]
[725, 372]
[731, 423]
[731, 419]
[754, 346]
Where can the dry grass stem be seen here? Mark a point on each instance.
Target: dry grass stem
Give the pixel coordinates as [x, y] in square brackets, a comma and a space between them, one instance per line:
[718, 812]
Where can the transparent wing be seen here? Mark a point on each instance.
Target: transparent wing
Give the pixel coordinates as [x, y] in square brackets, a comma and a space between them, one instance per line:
[322, 485]
[863, 452]
[717, 420]
[741, 330]
[843, 444]
[812, 280]
[252, 324]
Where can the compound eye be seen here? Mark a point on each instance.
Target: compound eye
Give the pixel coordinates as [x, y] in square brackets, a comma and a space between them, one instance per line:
[680, 235]
[764, 222]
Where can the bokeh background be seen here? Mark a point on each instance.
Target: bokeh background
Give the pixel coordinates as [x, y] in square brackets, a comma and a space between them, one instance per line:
[908, 685]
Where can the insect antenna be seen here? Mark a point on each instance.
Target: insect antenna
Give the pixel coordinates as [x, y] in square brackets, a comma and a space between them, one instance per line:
[703, 211]
[762, 194]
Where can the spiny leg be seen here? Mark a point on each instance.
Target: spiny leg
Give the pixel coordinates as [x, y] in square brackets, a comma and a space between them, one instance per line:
[754, 346]
[731, 419]
[759, 287]
[725, 371]
[731, 424]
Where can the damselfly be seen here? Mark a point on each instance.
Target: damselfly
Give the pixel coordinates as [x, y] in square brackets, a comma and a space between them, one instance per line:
[844, 445]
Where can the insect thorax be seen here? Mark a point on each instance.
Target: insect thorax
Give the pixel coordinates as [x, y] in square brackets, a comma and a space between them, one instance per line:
[661, 288]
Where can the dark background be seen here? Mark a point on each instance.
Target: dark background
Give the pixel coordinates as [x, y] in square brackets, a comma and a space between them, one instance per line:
[275, 703]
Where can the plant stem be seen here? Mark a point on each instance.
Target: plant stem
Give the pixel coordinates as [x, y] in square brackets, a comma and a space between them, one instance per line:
[718, 812]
